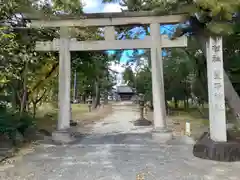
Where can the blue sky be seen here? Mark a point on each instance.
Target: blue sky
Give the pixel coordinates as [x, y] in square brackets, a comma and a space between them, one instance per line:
[93, 6]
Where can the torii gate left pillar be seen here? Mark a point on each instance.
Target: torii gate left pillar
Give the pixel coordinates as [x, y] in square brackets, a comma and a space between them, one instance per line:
[64, 115]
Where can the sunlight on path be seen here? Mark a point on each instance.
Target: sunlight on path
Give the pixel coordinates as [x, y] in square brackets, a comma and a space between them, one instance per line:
[120, 121]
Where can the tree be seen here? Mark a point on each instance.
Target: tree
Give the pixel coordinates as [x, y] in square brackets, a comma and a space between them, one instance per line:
[94, 67]
[128, 76]
[144, 82]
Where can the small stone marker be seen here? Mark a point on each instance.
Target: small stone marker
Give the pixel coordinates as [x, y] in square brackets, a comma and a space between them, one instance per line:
[188, 128]
[89, 101]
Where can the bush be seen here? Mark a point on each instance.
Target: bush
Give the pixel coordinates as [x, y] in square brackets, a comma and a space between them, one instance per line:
[12, 122]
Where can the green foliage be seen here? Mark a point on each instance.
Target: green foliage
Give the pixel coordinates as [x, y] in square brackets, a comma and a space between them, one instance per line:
[12, 122]
[222, 11]
[178, 69]
[144, 82]
[91, 67]
[68, 6]
[128, 76]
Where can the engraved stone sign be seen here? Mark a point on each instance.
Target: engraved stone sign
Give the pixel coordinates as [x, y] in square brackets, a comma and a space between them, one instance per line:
[216, 58]
[216, 90]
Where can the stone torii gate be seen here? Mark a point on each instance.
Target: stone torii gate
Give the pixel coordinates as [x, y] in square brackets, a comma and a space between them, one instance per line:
[66, 44]
[155, 42]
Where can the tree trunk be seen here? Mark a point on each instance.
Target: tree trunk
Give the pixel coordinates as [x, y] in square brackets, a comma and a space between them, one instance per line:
[185, 103]
[97, 97]
[28, 106]
[34, 109]
[36, 101]
[13, 97]
[105, 97]
[83, 98]
[75, 87]
[23, 101]
[25, 91]
[167, 107]
[175, 103]
[231, 95]
[151, 105]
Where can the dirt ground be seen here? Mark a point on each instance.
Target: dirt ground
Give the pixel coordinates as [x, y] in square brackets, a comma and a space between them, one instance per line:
[80, 114]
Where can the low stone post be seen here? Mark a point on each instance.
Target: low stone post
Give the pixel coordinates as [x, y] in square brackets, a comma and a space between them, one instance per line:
[142, 121]
[89, 101]
[141, 105]
[102, 102]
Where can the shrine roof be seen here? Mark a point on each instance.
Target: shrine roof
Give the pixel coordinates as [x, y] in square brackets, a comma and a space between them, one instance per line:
[124, 89]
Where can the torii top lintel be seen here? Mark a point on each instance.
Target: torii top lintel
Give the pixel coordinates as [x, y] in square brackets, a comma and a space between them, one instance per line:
[105, 19]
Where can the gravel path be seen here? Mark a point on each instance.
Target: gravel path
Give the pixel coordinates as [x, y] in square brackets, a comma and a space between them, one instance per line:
[116, 150]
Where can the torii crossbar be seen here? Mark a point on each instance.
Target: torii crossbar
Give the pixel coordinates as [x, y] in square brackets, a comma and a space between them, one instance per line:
[107, 21]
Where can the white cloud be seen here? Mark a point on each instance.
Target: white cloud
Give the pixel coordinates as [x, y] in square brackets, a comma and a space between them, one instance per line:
[118, 67]
[112, 8]
[90, 6]
[93, 6]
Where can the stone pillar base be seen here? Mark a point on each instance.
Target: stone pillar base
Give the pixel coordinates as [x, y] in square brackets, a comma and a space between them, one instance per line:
[62, 137]
[206, 148]
[162, 135]
[142, 122]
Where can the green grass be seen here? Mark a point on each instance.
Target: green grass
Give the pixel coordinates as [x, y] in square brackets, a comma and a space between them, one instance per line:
[192, 115]
[78, 109]
[46, 116]
[197, 112]
[199, 121]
